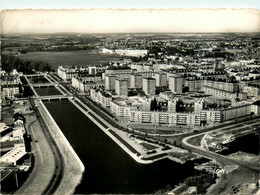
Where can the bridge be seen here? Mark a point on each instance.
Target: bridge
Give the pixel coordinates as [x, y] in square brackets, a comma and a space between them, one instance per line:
[35, 75]
[54, 97]
[39, 85]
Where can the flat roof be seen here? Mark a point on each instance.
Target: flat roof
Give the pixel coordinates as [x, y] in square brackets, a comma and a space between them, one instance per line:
[15, 154]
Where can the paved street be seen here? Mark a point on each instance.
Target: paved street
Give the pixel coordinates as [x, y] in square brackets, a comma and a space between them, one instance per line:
[243, 174]
[44, 161]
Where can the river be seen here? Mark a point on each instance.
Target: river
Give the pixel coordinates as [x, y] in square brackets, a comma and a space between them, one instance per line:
[248, 143]
[108, 168]
[43, 91]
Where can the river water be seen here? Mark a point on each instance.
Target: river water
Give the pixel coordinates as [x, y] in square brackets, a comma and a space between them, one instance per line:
[248, 143]
[43, 91]
[109, 169]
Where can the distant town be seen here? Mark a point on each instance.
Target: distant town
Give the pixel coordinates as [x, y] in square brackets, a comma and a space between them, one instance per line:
[171, 100]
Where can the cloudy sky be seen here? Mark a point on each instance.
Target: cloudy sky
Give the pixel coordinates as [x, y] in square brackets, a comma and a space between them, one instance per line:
[135, 20]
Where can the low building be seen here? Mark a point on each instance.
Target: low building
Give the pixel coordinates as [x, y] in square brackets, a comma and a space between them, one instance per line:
[14, 155]
[130, 52]
[85, 83]
[9, 91]
[101, 97]
[167, 118]
[219, 93]
[67, 72]
[122, 107]
[252, 90]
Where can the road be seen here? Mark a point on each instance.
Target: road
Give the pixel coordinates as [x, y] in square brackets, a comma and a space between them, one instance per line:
[58, 157]
[245, 170]
[49, 165]
[44, 161]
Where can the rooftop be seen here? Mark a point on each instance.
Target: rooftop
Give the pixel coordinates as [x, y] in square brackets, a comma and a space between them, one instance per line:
[15, 154]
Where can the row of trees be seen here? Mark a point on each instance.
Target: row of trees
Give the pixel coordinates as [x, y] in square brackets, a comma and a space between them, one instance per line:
[10, 62]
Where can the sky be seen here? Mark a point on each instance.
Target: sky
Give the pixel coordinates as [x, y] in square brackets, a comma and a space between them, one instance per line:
[69, 4]
[113, 21]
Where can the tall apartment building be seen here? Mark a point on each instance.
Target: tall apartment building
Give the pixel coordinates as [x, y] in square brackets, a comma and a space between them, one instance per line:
[176, 84]
[149, 86]
[110, 82]
[121, 87]
[136, 81]
[161, 79]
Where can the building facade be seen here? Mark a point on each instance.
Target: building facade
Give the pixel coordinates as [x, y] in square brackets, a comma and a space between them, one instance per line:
[149, 86]
[121, 87]
[176, 84]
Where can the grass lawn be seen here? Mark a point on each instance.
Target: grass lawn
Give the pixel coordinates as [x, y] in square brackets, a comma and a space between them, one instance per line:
[76, 58]
[148, 146]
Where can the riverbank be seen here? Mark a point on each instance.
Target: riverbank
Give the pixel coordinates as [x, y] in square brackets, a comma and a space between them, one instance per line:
[105, 127]
[74, 168]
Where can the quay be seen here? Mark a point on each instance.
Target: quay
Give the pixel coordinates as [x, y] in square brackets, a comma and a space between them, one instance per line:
[74, 168]
[105, 128]
[71, 169]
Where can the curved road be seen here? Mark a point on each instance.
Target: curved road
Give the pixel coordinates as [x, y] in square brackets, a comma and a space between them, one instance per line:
[58, 158]
[225, 182]
[58, 172]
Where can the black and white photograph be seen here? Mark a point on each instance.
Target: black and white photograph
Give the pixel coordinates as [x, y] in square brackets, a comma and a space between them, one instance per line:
[131, 100]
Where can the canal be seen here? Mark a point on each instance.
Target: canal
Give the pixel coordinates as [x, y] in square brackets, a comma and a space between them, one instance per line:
[43, 91]
[40, 79]
[109, 169]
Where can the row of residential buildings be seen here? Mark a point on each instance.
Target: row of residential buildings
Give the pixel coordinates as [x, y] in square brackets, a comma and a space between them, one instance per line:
[138, 110]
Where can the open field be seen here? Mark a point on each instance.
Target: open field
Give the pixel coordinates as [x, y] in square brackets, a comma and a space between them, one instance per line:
[72, 58]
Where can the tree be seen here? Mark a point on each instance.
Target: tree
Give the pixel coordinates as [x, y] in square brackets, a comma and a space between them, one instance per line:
[185, 89]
